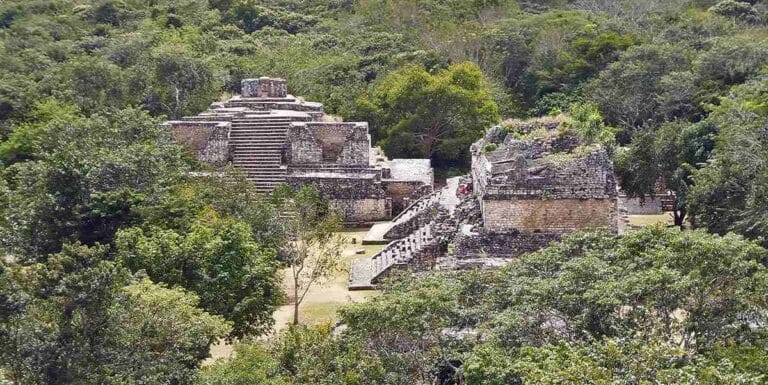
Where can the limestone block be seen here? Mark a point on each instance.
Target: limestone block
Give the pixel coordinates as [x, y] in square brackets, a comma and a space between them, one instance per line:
[264, 87]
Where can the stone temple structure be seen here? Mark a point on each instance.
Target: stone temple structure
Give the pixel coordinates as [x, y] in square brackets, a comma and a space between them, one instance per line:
[275, 138]
[531, 183]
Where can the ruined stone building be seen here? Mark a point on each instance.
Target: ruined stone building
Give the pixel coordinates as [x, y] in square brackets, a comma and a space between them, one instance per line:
[530, 183]
[546, 182]
[275, 138]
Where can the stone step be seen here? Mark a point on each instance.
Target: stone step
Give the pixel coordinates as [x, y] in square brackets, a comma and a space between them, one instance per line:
[260, 165]
[266, 172]
[256, 162]
[361, 274]
[240, 125]
[258, 153]
[261, 123]
[259, 99]
[251, 147]
[266, 175]
[251, 144]
[262, 168]
[250, 137]
[258, 132]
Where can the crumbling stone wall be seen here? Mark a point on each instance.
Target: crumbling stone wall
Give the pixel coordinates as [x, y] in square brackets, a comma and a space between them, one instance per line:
[208, 139]
[403, 193]
[636, 206]
[557, 176]
[359, 197]
[556, 215]
[263, 87]
[501, 244]
[344, 144]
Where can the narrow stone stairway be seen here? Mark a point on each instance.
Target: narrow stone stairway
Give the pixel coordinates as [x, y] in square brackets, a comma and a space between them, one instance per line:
[257, 141]
[365, 273]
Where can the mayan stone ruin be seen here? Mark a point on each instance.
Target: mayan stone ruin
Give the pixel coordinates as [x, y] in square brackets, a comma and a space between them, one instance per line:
[530, 183]
[276, 138]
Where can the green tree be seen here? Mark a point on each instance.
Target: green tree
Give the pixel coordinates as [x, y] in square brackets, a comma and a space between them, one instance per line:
[433, 116]
[608, 361]
[80, 177]
[627, 90]
[216, 258]
[739, 10]
[671, 156]
[87, 321]
[252, 16]
[728, 194]
[312, 247]
[90, 82]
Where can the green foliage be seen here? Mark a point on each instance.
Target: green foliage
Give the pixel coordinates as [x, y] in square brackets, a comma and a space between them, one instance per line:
[587, 122]
[84, 84]
[609, 361]
[86, 321]
[654, 305]
[420, 115]
[739, 10]
[670, 157]
[300, 355]
[249, 16]
[490, 147]
[82, 177]
[626, 91]
[729, 193]
[217, 259]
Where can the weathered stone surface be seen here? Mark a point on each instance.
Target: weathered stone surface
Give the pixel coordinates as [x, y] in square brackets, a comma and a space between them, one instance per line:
[346, 144]
[549, 182]
[276, 138]
[264, 87]
[505, 244]
[651, 205]
[208, 139]
[556, 215]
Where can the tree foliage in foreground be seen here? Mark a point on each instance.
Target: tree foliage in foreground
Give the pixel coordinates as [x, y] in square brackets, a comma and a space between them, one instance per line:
[730, 193]
[81, 319]
[216, 258]
[656, 305]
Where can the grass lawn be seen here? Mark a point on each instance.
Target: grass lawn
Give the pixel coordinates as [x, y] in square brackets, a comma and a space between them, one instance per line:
[637, 221]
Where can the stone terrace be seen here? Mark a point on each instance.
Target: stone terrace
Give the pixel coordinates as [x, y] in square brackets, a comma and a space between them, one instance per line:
[275, 138]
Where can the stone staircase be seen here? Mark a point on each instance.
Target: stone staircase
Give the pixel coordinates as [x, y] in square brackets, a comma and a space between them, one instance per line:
[256, 142]
[366, 273]
[422, 232]
[414, 216]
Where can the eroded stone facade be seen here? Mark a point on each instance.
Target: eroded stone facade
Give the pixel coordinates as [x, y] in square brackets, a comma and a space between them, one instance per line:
[275, 138]
[546, 183]
[529, 185]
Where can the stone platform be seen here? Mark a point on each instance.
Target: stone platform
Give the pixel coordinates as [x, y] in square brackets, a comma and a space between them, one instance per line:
[375, 235]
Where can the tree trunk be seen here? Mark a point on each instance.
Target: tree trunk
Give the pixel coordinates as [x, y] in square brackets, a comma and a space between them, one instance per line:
[679, 218]
[296, 312]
